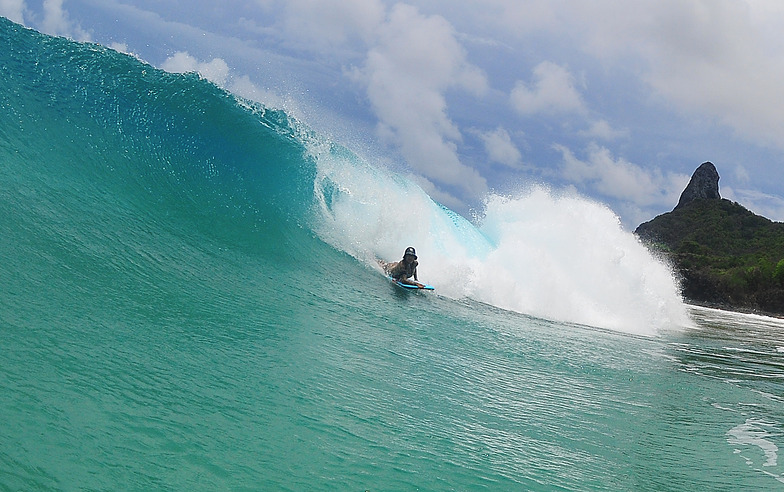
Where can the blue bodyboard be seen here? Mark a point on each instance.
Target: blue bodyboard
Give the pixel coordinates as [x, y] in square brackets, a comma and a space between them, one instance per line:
[411, 287]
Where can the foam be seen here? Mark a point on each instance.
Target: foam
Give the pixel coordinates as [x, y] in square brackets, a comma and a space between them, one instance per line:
[560, 257]
[753, 433]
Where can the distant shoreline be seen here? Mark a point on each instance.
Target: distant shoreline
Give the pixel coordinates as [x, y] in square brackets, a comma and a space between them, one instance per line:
[732, 309]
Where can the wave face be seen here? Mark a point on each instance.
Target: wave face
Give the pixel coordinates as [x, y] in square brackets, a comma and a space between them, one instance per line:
[191, 300]
[181, 154]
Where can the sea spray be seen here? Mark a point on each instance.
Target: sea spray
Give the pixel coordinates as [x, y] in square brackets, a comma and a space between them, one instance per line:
[567, 258]
[372, 213]
[561, 257]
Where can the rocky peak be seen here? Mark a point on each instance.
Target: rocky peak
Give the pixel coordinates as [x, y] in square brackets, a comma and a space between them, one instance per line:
[704, 185]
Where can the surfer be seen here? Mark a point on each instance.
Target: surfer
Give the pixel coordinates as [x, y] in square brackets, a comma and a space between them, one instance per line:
[403, 270]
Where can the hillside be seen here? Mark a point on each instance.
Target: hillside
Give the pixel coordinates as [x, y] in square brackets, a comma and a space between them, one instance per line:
[725, 254]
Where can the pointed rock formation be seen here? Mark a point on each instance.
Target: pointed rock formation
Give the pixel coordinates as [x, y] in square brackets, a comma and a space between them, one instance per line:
[724, 255]
[704, 185]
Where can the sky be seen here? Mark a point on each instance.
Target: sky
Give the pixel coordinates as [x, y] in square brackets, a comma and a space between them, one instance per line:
[618, 101]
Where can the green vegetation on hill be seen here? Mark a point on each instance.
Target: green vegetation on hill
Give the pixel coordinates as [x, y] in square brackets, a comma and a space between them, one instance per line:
[725, 254]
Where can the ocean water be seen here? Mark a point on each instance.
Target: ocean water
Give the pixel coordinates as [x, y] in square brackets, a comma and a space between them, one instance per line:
[189, 300]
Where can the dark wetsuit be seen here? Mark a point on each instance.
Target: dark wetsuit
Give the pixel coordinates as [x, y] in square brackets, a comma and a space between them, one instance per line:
[402, 271]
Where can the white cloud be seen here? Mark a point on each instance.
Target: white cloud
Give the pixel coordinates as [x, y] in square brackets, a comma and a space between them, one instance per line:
[720, 58]
[121, 47]
[13, 10]
[219, 73]
[57, 22]
[764, 204]
[243, 87]
[621, 179]
[500, 148]
[741, 174]
[551, 91]
[716, 62]
[515, 17]
[323, 26]
[216, 71]
[416, 58]
[602, 130]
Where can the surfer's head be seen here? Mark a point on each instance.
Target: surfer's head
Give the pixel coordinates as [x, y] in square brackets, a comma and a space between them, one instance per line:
[410, 253]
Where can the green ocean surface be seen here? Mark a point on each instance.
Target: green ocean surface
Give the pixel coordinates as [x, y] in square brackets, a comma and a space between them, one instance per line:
[188, 301]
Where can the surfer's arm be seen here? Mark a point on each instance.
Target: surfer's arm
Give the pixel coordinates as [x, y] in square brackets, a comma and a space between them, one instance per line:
[408, 281]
